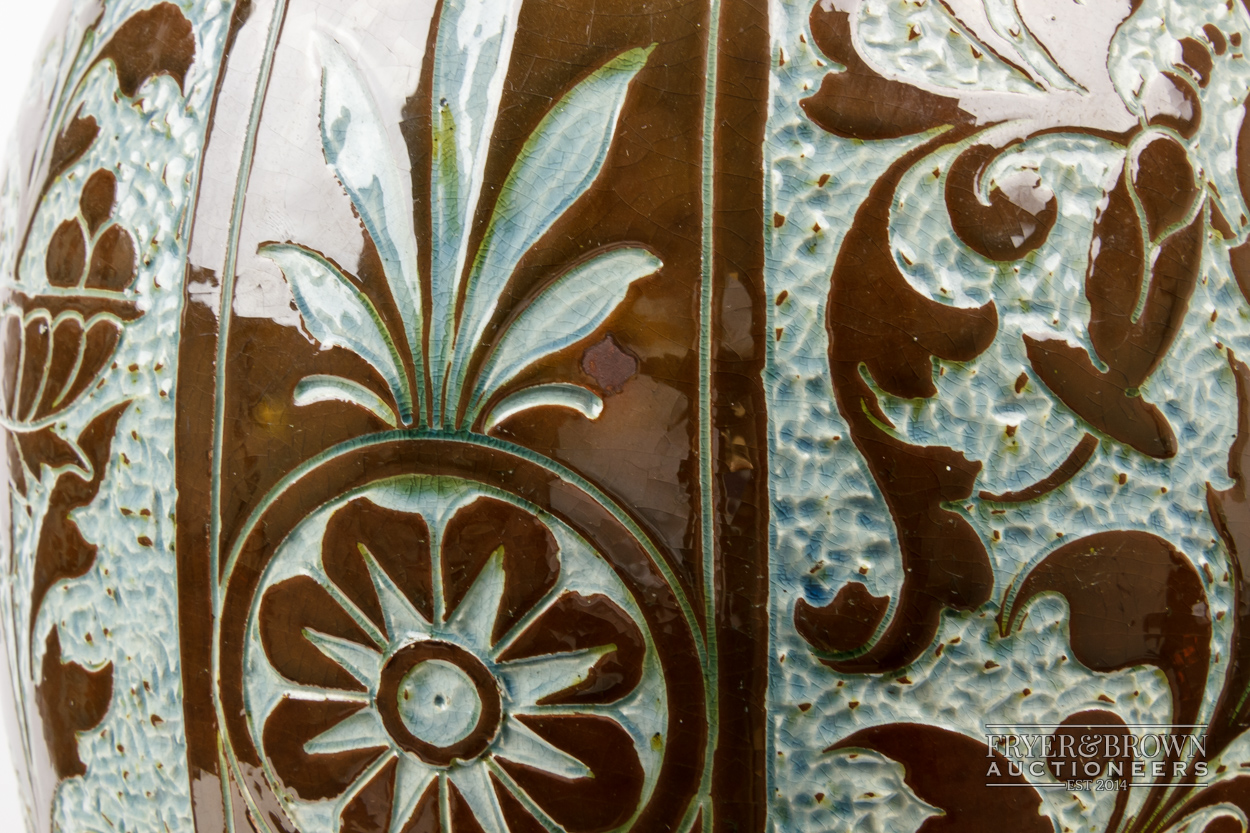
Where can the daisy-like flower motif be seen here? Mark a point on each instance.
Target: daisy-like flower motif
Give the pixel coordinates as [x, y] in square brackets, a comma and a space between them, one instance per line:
[445, 675]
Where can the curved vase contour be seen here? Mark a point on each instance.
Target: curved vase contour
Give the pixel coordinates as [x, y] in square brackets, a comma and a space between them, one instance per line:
[495, 416]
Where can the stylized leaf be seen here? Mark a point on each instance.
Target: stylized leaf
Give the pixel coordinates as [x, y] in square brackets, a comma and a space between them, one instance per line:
[157, 41]
[337, 314]
[957, 775]
[556, 166]
[564, 313]
[313, 389]
[470, 62]
[1134, 599]
[585, 402]
[57, 346]
[359, 152]
[72, 699]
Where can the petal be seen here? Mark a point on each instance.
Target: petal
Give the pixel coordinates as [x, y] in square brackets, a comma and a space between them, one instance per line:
[574, 623]
[287, 612]
[537, 680]
[365, 664]
[472, 786]
[401, 619]
[312, 777]
[518, 816]
[530, 558]
[604, 800]
[399, 541]
[363, 730]
[1133, 599]
[860, 103]
[415, 787]
[947, 770]
[473, 616]
[370, 810]
[519, 744]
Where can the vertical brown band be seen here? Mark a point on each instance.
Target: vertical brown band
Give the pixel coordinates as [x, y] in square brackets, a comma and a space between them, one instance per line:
[740, 467]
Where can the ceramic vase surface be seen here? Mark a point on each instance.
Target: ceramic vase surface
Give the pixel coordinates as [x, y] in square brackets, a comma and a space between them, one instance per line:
[494, 416]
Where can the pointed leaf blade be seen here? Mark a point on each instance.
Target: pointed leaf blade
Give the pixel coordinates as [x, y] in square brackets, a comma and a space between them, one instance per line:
[313, 389]
[470, 62]
[358, 150]
[557, 165]
[572, 308]
[574, 397]
[338, 315]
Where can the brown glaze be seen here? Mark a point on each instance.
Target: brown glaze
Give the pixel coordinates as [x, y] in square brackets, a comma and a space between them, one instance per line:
[1163, 180]
[859, 103]
[62, 551]
[1230, 511]
[37, 340]
[370, 810]
[99, 194]
[397, 541]
[847, 622]
[654, 416]
[482, 734]
[292, 724]
[1243, 153]
[1196, 59]
[290, 609]
[515, 815]
[193, 443]
[70, 145]
[112, 261]
[71, 699]
[949, 771]
[684, 746]
[1072, 738]
[1071, 376]
[600, 802]
[1215, 37]
[1218, 221]
[530, 558]
[576, 622]
[156, 41]
[609, 365]
[1234, 792]
[740, 498]
[1133, 600]
[1068, 469]
[878, 322]
[1131, 347]
[462, 818]
[1224, 824]
[427, 818]
[67, 255]
[1001, 229]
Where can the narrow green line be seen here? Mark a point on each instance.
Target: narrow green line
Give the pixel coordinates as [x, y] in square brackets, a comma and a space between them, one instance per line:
[227, 290]
[706, 461]
[219, 404]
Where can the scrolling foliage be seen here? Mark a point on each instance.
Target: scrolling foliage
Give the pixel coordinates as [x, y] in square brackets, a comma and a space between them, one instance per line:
[1133, 598]
[58, 342]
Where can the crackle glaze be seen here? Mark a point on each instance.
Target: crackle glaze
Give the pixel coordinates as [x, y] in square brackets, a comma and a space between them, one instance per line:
[494, 416]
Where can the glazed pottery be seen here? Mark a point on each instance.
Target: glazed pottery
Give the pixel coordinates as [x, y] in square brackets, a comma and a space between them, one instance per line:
[650, 415]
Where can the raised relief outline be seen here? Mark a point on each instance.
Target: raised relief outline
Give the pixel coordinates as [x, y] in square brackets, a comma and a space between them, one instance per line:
[400, 399]
[1134, 599]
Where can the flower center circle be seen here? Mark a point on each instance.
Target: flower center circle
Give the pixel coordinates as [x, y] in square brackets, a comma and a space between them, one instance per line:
[439, 703]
